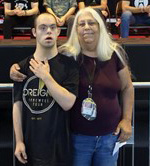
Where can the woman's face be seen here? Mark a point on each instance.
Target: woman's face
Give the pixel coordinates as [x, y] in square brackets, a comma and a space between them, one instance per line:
[87, 29]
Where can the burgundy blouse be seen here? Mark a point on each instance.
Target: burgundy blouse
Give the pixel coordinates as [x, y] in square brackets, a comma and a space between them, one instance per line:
[106, 87]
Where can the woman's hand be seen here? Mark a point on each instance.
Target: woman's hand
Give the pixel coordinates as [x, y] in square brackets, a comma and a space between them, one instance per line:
[124, 128]
[15, 75]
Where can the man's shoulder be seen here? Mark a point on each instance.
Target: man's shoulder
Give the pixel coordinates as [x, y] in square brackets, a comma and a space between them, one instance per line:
[68, 60]
[65, 57]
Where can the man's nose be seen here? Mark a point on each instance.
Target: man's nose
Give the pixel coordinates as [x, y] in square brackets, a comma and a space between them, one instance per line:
[49, 30]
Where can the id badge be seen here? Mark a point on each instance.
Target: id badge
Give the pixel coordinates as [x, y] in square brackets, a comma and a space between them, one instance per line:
[88, 109]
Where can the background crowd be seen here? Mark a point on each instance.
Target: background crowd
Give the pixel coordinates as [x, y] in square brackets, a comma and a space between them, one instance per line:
[22, 13]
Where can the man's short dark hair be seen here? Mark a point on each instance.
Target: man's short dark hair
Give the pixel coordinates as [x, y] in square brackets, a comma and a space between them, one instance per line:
[35, 20]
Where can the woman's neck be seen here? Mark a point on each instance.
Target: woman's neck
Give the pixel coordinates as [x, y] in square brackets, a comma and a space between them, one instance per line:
[89, 53]
[89, 50]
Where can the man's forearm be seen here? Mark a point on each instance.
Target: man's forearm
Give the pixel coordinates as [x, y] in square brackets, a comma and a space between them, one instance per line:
[49, 10]
[9, 12]
[17, 121]
[133, 9]
[31, 12]
[70, 12]
[62, 96]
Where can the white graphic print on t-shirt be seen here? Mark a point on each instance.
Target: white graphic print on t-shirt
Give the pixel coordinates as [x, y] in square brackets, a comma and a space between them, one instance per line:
[140, 3]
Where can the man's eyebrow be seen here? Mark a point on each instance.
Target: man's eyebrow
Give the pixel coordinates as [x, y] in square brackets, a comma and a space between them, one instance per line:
[47, 24]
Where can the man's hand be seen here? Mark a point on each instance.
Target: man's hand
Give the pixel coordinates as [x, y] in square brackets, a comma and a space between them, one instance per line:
[20, 152]
[147, 9]
[104, 12]
[20, 13]
[124, 129]
[58, 21]
[13, 12]
[15, 74]
[40, 69]
[62, 21]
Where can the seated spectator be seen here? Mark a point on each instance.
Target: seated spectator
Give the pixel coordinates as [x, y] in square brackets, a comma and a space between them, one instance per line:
[95, 4]
[18, 13]
[134, 13]
[63, 11]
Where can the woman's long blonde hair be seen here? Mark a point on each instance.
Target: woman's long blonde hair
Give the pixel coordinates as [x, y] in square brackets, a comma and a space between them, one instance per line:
[105, 47]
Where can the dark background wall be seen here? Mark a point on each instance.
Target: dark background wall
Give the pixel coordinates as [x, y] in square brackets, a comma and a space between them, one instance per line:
[139, 58]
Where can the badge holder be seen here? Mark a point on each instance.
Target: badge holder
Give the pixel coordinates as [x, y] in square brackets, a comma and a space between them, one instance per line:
[88, 109]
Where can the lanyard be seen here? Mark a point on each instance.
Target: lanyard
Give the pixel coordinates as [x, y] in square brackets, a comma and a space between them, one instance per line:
[90, 79]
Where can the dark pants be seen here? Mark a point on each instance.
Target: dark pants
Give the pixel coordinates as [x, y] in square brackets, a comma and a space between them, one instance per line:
[13, 21]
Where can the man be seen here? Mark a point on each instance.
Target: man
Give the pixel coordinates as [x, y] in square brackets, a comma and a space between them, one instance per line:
[41, 101]
[63, 11]
[135, 12]
[95, 4]
[18, 12]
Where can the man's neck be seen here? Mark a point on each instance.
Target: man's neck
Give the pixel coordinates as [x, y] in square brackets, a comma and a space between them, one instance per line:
[45, 53]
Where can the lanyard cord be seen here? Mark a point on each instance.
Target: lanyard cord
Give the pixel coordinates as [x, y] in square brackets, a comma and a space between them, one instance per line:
[90, 79]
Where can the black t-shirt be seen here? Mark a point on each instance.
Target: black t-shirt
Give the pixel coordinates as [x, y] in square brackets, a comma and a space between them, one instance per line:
[21, 4]
[46, 126]
[90, 2]
[138, 3]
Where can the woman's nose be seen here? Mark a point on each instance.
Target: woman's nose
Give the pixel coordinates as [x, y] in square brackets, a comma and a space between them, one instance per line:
[86, 25]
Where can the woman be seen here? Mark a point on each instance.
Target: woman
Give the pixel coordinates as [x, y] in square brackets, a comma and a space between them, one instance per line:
[97, 119]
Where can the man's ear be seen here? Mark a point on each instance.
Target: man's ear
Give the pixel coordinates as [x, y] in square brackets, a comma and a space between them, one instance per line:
[34, 32]
[58, 31]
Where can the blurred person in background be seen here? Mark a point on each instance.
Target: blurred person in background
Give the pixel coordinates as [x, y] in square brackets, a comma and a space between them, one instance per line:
[63, 11]
[18, 13]
[134, 12]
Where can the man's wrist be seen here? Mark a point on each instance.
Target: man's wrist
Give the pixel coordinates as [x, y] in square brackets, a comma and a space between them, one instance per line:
[25, 13]
[47, 77]
[142, 9]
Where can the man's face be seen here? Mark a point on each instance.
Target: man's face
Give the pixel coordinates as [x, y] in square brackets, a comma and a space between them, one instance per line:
[88, 29]
[46, 31]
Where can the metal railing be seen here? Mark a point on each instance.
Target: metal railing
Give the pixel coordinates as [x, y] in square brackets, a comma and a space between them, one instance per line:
[6, 86]
[9, 86]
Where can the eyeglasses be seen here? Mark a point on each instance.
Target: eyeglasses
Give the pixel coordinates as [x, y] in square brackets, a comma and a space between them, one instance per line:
[44, 27]
[90, 24]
